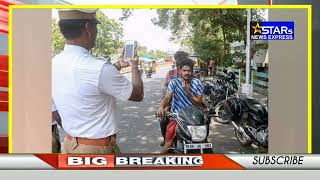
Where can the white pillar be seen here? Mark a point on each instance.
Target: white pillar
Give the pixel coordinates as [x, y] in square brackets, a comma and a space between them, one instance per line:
[247, 88]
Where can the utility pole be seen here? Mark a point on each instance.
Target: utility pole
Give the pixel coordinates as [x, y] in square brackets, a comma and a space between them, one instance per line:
[247, 88]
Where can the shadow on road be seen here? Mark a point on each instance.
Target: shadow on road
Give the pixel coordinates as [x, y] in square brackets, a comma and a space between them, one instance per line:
[139, 131]
[224, 141]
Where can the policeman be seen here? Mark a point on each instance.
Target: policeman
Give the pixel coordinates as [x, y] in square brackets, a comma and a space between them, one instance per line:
[85, 88]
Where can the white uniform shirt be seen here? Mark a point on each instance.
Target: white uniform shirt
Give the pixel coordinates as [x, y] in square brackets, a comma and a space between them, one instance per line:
[84, 89]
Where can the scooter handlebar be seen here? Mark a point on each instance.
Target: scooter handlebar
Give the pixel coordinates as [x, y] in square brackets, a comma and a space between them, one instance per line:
[166, 114]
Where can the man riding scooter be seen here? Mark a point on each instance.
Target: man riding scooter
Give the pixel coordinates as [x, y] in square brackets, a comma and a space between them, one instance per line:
[149, 70]
[171, 74]
[182, 92]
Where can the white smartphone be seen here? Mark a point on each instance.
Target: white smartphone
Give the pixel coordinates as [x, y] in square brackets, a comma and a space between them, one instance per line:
[129, 49]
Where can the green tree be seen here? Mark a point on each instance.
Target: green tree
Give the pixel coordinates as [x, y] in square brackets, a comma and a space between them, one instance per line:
[154, 54]
[142, 51]
[209, 32]
[160, 54]
[109, 38]
[126, 13]
[57, 38]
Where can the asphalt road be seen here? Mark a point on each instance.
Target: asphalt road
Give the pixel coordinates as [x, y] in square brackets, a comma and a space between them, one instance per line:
[139, 131]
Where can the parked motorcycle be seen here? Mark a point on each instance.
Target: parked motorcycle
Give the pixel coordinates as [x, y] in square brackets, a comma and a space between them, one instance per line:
[215, 94]
[191, 132]
[249, 119]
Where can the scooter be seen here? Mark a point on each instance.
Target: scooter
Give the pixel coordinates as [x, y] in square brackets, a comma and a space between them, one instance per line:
[148, 72]
[192, 131]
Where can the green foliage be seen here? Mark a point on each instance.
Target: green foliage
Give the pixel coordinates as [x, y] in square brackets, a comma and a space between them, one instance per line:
[57, 38]
[144, 52]
[157, 54]
[258, 14]
[109, 37]
[209, 32]
[238, 59]
[126, 13]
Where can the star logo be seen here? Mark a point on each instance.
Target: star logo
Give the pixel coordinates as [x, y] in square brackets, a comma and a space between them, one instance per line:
[257, 28]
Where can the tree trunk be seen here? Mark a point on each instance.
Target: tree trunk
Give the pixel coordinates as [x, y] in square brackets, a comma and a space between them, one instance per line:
[205, 71]
[224, 44]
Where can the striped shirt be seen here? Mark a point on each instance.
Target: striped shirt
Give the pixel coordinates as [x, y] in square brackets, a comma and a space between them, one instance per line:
[180, 99]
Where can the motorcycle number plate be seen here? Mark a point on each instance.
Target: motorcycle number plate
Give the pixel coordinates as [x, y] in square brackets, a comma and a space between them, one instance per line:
[198, 146]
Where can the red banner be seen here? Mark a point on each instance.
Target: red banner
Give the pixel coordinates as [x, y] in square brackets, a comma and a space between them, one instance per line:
[3, 144]
[3, 101]
[9, 2]
[3, 78]
[3, 12]
[174, 162]
[3, 62]
[3, 26]
[3, 72]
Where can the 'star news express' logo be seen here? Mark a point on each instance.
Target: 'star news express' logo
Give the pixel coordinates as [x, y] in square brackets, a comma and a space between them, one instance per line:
[272, 30]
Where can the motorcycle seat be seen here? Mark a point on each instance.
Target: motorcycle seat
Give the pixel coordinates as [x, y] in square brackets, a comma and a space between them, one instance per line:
[255, 107]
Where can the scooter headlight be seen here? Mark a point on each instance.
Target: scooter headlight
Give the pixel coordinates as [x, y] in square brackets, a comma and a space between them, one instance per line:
[198, 133]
